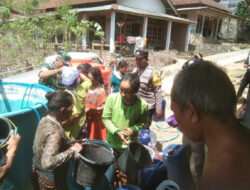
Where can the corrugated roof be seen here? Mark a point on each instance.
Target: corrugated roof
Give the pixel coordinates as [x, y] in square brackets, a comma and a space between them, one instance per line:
[59, 3]
[134, 11]
[211, 3]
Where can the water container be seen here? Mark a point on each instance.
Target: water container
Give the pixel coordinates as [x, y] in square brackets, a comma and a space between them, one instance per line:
[177, 163]
[24, 105]
[93, 163]
[134, 158]
[5, 128]
[153, 139]
[168, 185]
[150, 178]
[163, 107]
[172, 121]
[144, 136]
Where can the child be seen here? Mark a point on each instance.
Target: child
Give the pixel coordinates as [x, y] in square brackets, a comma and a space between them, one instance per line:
[118, 75]
[94, 105]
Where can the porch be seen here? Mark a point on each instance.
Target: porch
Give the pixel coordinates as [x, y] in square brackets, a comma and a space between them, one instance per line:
[161, 30]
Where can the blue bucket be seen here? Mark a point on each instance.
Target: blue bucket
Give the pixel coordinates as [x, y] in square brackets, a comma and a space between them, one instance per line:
[24, 105]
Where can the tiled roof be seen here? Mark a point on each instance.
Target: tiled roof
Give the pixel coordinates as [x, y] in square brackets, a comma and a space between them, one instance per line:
[59, 3]
[210, 3]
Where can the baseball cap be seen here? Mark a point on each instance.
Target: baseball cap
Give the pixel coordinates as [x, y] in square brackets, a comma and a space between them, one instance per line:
[69, 75]
[141, 53]
[64, 57]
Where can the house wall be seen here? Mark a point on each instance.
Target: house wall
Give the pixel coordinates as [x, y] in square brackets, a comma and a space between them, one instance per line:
[178, 35]
[151, 5]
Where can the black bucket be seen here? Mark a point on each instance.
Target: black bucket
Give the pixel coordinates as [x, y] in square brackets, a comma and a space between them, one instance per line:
[134, 158]
[93, 163]
[2, 158]
[5, 128]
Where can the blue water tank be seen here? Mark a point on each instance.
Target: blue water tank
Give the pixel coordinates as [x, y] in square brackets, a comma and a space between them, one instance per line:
[24, 105]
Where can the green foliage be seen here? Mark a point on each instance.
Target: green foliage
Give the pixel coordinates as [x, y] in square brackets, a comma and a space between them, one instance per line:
[244, 26]
[242, 10]
[4, 13]
[27, 40]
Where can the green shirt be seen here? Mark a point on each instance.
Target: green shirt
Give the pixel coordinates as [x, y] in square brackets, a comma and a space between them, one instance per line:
[117, 116]
[72, 130]
[52, 81]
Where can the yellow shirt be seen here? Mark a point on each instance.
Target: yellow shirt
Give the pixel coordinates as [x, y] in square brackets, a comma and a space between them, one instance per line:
[72, 129]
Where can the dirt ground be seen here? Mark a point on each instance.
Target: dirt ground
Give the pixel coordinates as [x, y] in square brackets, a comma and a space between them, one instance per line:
[235, 71]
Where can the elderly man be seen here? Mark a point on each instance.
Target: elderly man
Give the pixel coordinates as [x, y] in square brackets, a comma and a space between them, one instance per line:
[203, 100]
[150, 85]
[124, 113]
[49, 74]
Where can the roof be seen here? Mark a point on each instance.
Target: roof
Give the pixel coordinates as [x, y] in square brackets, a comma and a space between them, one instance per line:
[169, 3]
[210, 3]
[59, 3]
[43, 14]
[209, 8]
[134, 11]
[52, 4]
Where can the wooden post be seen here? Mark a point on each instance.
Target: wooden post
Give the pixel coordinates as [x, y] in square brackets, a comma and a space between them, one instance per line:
[168, 38]
[112, 33]
[187, 38]
[212, 29]
[202, 26]
[84, 36]
[145, 27]
[217, 27]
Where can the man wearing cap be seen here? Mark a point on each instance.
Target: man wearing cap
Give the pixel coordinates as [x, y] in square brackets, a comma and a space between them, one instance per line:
[150, 84]
[49, 74]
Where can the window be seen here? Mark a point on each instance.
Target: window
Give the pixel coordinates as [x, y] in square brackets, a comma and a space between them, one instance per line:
[156, 33]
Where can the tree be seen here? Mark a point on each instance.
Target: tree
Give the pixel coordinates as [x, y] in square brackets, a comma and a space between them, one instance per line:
[242, 11]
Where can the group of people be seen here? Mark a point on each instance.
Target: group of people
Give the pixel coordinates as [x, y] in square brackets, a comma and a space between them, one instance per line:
[83, 110]
[203, 100]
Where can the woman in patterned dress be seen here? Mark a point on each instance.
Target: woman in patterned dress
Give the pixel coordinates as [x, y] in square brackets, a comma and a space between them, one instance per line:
[52, 148]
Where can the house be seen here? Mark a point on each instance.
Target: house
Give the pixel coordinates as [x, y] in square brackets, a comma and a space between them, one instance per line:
[207, 14]
[156, 20]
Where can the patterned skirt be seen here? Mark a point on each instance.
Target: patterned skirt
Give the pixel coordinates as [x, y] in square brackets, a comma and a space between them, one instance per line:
[40, 182]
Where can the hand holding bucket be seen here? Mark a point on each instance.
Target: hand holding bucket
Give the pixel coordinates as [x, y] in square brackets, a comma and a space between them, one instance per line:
[13, 144]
